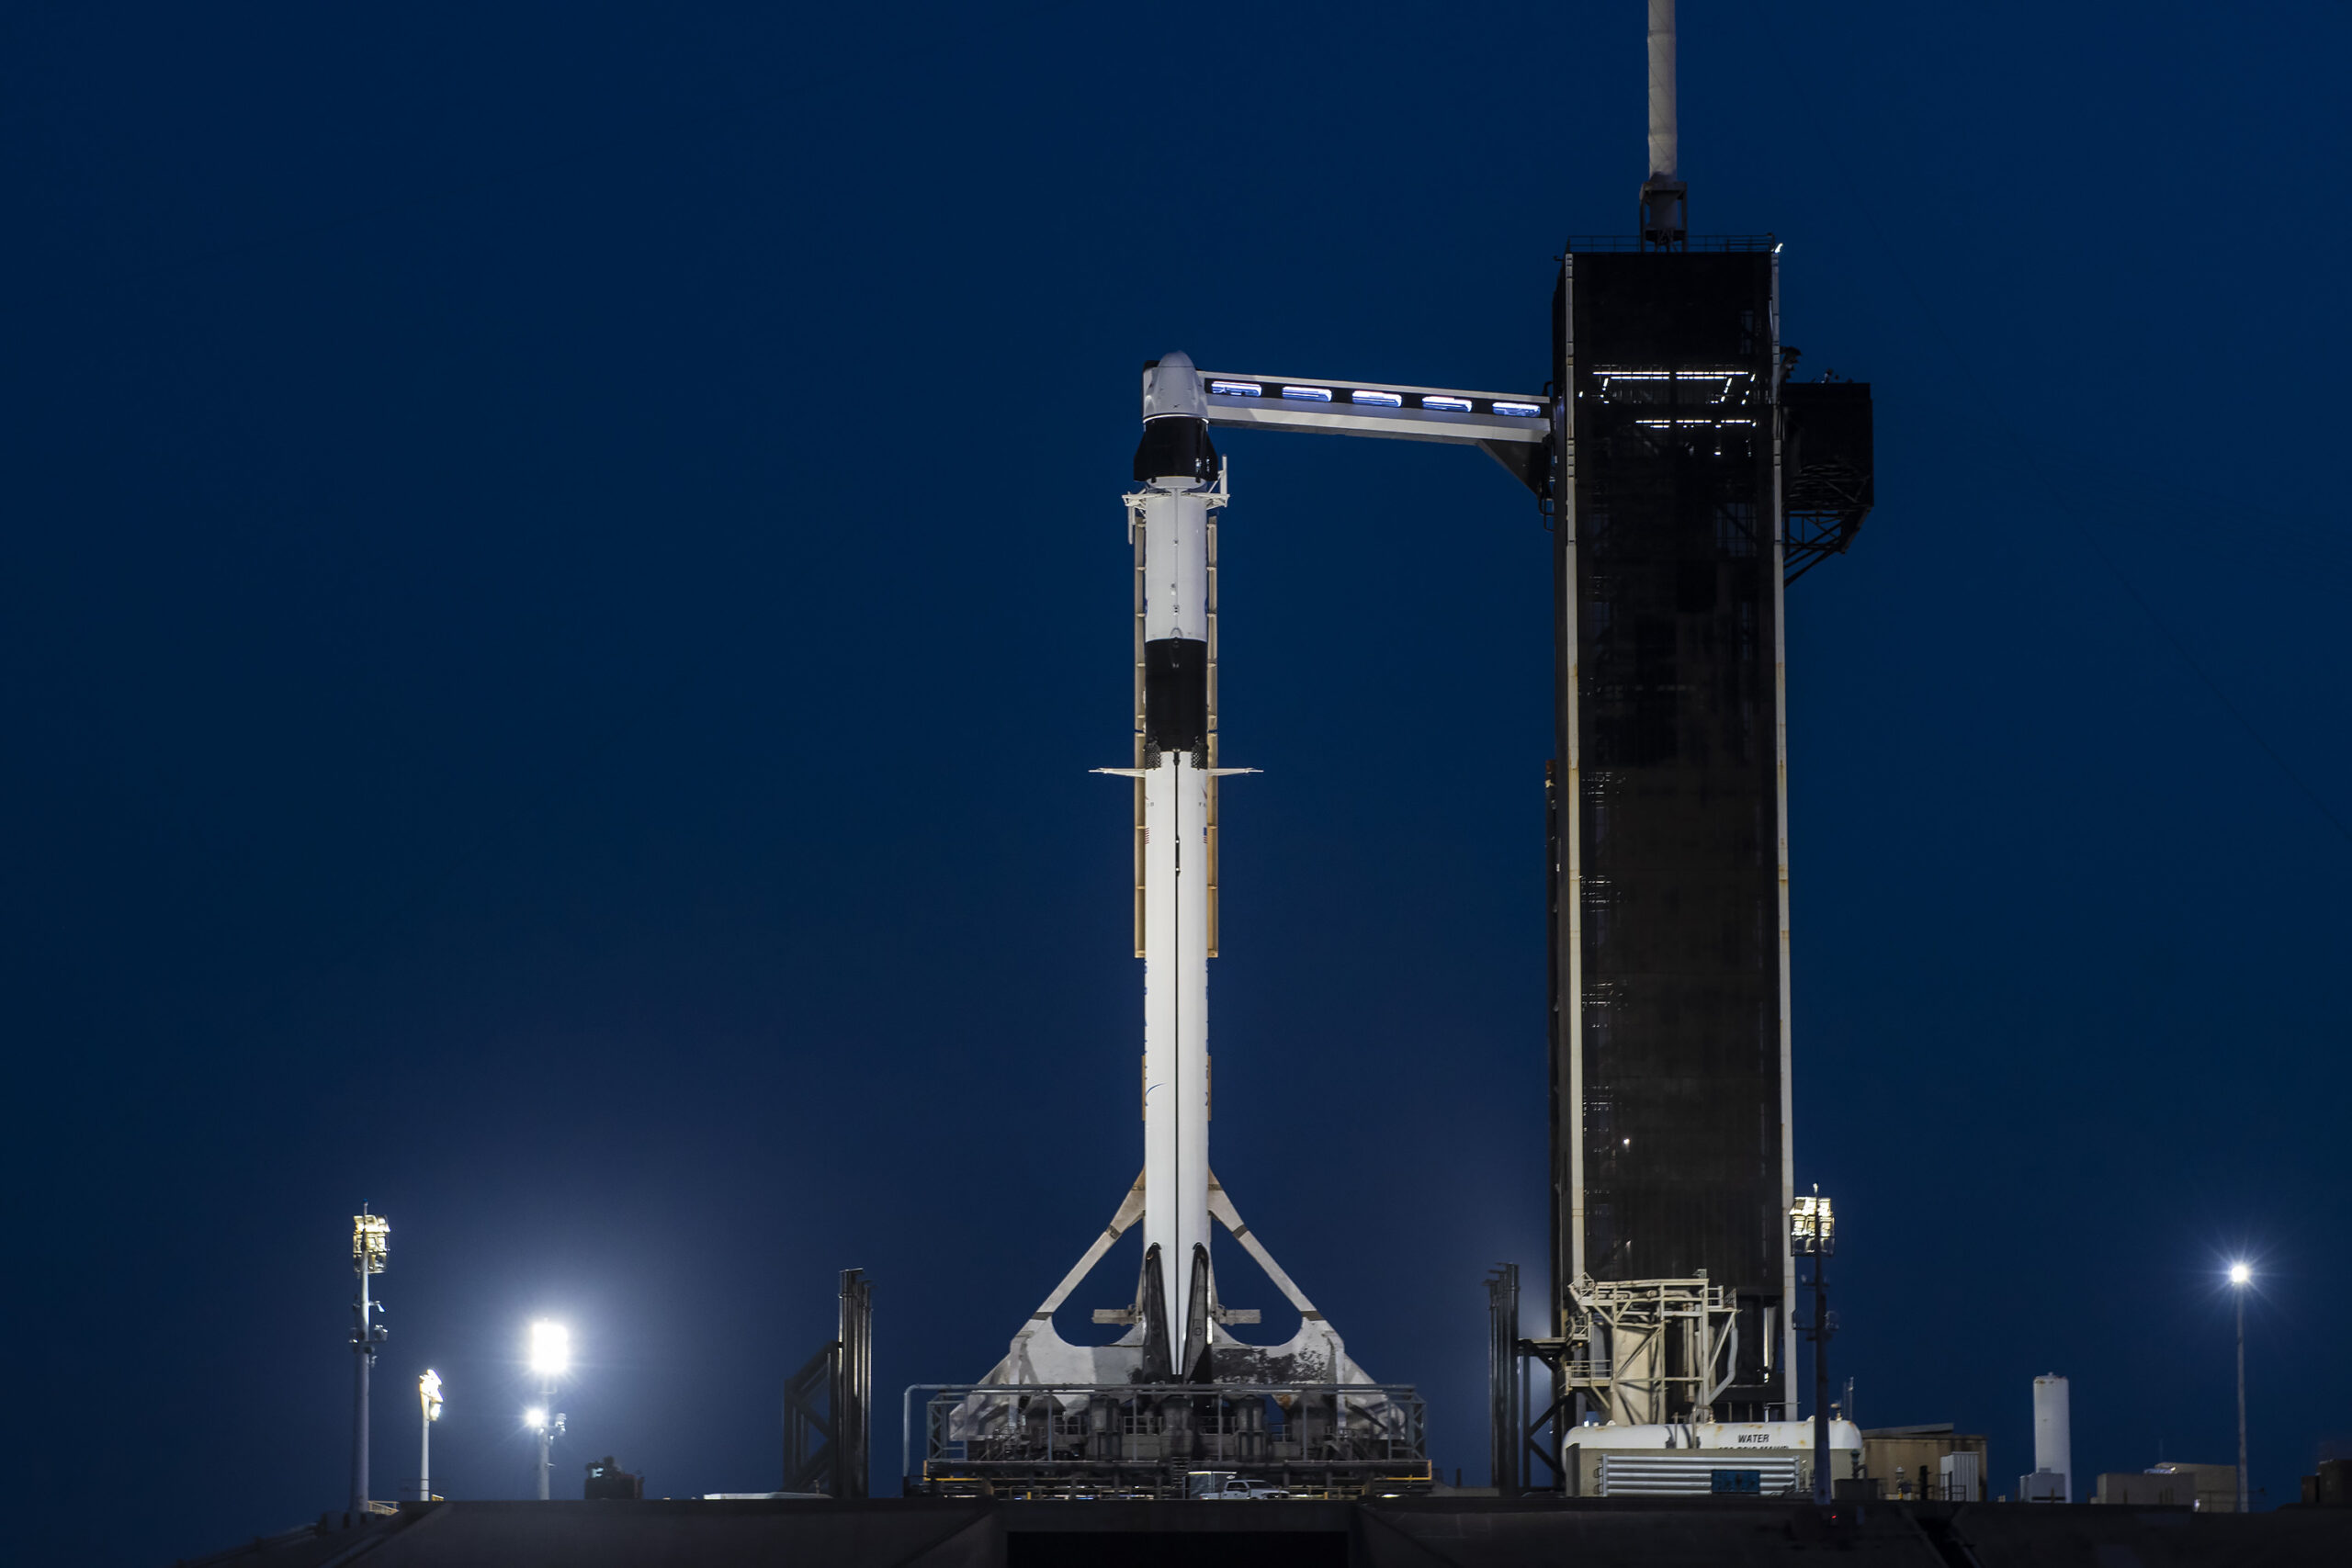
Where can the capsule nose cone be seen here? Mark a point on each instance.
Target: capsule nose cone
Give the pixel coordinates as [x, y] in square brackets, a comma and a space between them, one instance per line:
[1174, 386]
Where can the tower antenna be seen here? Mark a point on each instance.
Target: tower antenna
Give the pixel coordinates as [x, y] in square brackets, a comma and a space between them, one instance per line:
[1664, 226]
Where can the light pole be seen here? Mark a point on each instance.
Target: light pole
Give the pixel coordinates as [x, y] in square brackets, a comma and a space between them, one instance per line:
[2241, 1276]
[551, 1353]
[371, 1238]
[428, 1393]
[1812, 1233]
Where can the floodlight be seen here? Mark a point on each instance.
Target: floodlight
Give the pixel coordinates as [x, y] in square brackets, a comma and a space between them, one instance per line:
[550, 1348]
[535, 1419]
[2240, 1274]
[370, 1236]
[428, 1394]
[1813, 1228]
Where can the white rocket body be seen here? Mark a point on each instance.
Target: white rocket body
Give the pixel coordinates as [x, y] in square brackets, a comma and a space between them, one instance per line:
[1173, 510]
[1176, 927]
[1177, 1329]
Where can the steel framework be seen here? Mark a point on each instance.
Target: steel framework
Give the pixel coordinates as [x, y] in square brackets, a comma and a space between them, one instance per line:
[1140, 1441]
[829, 1404]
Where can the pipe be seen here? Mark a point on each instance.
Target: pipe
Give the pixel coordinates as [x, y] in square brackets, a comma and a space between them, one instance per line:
[363, 1343]
[1822, 1491]
[2244, 1495]
[1664, 152]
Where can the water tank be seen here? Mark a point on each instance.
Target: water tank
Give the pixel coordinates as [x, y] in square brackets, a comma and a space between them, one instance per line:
[2054, 1440]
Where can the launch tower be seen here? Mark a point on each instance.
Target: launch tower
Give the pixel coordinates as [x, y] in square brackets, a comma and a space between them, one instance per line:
[1693, 477]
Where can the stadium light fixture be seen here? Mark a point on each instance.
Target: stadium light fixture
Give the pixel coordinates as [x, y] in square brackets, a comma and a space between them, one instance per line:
[428, 1396]
[550, 1355]
[371, 1236]
[550, 1348]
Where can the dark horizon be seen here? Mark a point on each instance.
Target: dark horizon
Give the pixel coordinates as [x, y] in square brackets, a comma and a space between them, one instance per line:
[551, 693]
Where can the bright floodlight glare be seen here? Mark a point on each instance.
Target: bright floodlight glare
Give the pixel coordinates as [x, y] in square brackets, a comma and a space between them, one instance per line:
[428, 1390]
[2240, 1273]
[550, 1348]
[535, 1418]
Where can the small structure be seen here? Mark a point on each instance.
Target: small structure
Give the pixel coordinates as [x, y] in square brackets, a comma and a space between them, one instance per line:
[2209, 1488]
[608, 1482]
[1929, 1461]
[1682, 1459]
[2215, 1485]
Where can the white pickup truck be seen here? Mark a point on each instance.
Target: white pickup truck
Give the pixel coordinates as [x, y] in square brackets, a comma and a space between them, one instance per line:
[1228, 1486]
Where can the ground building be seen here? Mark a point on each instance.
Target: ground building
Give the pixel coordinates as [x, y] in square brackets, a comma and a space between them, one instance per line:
[2209, 1488]
[1929, 1463]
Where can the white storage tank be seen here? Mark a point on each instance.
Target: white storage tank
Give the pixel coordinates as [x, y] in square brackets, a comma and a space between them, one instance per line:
[2054, 1441]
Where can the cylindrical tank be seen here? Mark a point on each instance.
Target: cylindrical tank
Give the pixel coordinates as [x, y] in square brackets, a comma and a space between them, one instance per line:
[2053, 1438]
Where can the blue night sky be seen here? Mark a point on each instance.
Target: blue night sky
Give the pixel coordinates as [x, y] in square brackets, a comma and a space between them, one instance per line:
[564, 572]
